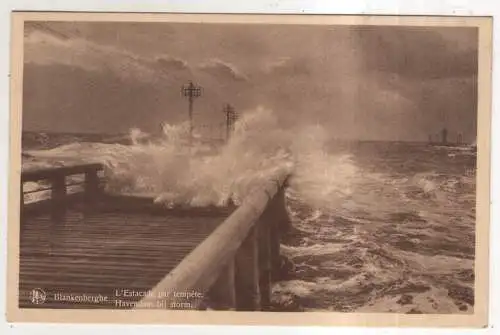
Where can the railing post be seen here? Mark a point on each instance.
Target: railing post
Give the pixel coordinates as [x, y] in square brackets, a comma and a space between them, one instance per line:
[247, 274]
[222, 294]
[279, 224]
[281, 211]
[91, 183]
[274, 250]
[264, 262]
[58, 196]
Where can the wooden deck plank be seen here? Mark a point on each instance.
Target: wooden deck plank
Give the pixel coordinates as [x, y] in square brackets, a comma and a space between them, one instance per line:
[96, 252]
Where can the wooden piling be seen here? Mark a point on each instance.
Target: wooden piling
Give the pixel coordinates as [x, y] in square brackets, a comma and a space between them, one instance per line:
[247, 274]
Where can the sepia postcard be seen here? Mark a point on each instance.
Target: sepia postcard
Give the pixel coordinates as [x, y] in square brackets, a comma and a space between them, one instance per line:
[249, 169]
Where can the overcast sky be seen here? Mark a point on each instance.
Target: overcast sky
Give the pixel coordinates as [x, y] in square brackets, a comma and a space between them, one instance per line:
[365, 82]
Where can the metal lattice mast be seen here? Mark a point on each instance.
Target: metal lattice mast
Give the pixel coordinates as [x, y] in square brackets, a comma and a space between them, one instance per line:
[231, 117]
[191, 91]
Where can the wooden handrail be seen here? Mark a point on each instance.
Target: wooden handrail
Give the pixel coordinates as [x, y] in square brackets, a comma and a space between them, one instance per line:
[50, 173]
[201, 268]
[59, 187]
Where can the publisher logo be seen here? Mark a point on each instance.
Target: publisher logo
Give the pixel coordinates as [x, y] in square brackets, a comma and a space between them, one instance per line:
[38, 296]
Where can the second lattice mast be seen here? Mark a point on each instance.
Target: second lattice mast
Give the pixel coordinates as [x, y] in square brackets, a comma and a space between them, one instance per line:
[231, 117]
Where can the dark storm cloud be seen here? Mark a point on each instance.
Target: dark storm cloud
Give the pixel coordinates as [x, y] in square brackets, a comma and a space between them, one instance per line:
[420, 53]
[168, 63]
[395, 83]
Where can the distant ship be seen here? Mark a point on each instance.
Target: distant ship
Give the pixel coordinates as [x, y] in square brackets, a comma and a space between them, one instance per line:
[441, 139]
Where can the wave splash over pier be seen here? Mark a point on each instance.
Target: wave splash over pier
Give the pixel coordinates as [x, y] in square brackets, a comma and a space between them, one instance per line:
[379, 226]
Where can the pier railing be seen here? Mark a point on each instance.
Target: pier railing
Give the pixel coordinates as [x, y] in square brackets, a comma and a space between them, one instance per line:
[56, 183]
[235, 265]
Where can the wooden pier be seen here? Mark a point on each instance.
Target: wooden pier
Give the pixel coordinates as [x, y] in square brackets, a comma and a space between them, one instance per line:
[85, 248]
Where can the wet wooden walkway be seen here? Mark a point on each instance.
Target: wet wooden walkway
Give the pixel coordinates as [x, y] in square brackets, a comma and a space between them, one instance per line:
[100, 252]
[105, 251]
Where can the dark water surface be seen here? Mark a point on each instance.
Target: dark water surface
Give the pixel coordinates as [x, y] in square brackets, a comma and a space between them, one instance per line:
[402, 241]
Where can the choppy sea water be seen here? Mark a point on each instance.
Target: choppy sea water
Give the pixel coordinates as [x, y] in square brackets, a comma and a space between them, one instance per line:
[402, 240]
[378, 226]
